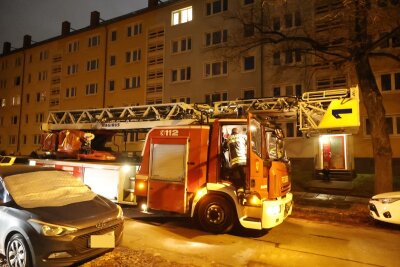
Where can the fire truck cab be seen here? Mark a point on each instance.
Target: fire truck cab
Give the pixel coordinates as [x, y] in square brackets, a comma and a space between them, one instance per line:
[185, 170]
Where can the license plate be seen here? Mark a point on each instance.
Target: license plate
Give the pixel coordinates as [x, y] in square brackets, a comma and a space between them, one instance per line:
[102, 241]
[285, 179]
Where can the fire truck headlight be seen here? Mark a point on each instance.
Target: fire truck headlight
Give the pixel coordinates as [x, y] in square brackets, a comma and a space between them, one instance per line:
[126, 168]
[254, 200]
[273, 210]
[140, 186]
[144, 207]
[32, 163]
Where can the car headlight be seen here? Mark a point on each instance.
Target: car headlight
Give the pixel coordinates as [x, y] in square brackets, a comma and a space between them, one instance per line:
[386, 200]
[48, 229]
[120, 212]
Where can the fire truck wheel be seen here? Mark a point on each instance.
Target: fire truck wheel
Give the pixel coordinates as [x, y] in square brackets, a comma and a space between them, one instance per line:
[216, 215]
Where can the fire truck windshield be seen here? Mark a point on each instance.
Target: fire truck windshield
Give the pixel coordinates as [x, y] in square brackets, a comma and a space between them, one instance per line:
[275, 145]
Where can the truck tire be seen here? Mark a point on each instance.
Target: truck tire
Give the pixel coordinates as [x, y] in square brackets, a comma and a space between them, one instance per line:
[216, 215]
[17, 252]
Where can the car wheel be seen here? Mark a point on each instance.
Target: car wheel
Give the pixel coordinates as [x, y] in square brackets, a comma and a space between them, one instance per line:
[17, 252]
[216, 215]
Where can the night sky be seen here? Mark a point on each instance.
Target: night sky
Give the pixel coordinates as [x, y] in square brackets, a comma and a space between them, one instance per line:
[42, 19]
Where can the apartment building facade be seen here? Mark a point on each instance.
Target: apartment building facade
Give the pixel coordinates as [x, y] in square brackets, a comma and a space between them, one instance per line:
[176, 51]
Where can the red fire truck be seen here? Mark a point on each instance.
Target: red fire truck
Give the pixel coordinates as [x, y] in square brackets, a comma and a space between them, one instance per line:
[184, 169]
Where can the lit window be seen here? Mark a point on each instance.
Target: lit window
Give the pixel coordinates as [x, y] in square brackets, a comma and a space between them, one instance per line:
[182, 15]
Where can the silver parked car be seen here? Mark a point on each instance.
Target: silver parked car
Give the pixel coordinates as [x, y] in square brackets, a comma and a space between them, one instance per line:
[386, 207]
[50, 218]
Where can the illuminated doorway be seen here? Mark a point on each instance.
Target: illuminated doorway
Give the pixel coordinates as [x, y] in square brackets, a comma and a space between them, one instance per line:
[333, 151]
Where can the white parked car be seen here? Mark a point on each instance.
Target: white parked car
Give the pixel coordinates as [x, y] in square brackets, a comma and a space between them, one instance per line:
[386, 207]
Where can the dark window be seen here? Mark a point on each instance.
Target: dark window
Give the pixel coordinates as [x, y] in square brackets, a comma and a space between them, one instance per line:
[397, 81]
[113, 35]
[389, 125]
[111, 85]
[27, 98]
[248, 94]
[398, 125]
[367, 127]
[299, 90]
[249, 63]
[248, 2]
[288, 57]
[290, 129]
[297, 55]
[386, 83]
[112, 61]
[288, 21]
[277, 58]
[18, 80]
[174, 75]
[277, 91]
[289, 90]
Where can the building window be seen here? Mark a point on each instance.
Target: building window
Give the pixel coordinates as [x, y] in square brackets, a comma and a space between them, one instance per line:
[136, 29]
[216, 6]
[390, 82]
[156, 60]
[216, 38]
[91, 89]
[12, 140]
[181, 45]
[248, 63]
[248, 94]
[72, 69]
[181, 74]
[155, 47]
[155, 33]
[18, 62]
[113, 60]
[215, 69]
[292, 56]
[94, 41]
[92, 65]
[277, 91]
[331, 82]
[133, 56]
[40, 97]
[42, 75]
[111, 85]
[152, 101]
[155, 74]
[392, 124]
[154, 88]
[17, 81]
[248, 2]
[39, 117]
[16, 100]
[73, 47]
[44, 55]
[14, 120]
[36, 139]
[182, 15]
[113, 35]
[133, 82]
[70, 92]
[3, 102]
[183, 99]
[28, 96]
[215, 97]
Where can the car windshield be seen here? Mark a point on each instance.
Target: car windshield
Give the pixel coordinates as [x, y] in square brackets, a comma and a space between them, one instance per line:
[47, 189]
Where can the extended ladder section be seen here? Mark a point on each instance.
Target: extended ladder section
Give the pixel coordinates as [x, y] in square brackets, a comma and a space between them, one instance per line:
[123, 118]
[320, 111]
[329, 111]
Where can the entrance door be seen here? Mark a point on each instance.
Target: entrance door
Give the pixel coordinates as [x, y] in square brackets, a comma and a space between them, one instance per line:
[168, 174]
[333, 152]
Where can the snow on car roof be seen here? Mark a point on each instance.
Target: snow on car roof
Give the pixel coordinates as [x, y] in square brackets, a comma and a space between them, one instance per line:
[47, 189]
